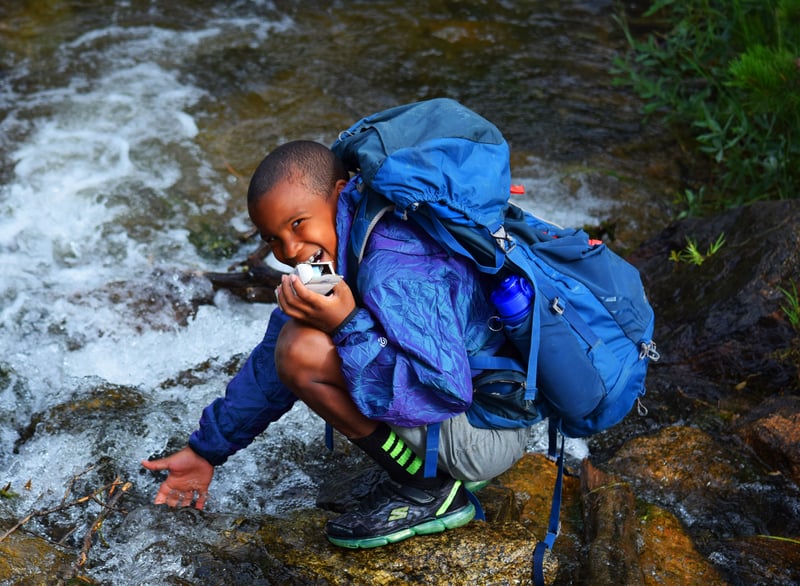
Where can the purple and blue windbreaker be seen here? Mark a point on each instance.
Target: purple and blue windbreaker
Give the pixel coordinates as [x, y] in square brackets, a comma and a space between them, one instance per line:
[404, 352]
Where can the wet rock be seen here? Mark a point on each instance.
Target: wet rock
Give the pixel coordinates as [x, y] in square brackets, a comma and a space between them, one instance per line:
[717, 448]
[606, 537]
[723, 317]
[667, 554]
[636, 543]
[517, 506]
[100, 403]
[477, 554]
[532, 481]
[773, 431]
[768, 559]
[678, 460]
[26, 559]
[156, 301]
[719, 491]
[293, 549]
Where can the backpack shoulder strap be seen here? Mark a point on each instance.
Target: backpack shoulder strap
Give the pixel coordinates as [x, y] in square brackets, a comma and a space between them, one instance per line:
[370, 210]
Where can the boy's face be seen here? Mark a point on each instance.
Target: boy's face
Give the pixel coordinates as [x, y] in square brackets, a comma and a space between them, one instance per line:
[298, 224]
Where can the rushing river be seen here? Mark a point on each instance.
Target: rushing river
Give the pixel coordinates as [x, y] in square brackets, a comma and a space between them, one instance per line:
[128, 131]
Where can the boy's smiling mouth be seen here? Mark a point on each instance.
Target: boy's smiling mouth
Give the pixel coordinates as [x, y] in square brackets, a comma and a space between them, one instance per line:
[316, 257]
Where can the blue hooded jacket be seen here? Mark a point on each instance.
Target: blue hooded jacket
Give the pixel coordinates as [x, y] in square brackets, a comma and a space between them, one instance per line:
[404, 351]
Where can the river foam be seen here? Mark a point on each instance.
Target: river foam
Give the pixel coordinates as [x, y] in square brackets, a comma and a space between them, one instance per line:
[100, 150]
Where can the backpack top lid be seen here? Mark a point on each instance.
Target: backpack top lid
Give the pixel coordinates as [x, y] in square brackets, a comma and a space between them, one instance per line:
[436, 152]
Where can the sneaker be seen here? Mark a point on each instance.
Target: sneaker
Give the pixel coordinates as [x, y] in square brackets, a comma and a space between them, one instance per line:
[394, 512]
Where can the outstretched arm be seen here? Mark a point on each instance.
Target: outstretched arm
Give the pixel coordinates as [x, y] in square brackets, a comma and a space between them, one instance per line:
[189, 476]
[253, 399]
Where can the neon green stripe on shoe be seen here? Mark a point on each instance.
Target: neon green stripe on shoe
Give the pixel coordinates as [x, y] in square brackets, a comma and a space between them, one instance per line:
[449, 500]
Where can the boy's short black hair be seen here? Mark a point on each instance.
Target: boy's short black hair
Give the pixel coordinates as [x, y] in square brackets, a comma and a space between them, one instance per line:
[301, 161]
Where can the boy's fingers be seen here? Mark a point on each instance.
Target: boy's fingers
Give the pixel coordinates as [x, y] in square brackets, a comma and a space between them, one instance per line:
[154, 464]
[161, 497]
[168, 496]
[179, 498]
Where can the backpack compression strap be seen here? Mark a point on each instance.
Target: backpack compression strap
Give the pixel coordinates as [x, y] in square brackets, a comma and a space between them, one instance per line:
[434, 226]
[555, 509]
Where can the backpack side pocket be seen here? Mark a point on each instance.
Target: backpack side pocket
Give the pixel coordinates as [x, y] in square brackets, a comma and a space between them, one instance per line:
[498, 401]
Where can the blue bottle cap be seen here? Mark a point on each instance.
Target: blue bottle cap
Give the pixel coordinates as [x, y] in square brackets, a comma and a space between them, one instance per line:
[513, 298]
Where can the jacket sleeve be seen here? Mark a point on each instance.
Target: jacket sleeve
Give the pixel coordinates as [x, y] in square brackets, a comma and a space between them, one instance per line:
[254, 398]
[403, 353]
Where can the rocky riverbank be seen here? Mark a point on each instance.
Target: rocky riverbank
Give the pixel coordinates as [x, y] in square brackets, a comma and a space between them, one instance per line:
[702, 489]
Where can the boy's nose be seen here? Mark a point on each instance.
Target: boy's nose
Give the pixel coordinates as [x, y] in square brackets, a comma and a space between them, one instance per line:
[291, 250]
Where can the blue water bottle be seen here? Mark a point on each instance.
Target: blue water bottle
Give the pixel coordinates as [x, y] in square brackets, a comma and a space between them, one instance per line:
[512, 298]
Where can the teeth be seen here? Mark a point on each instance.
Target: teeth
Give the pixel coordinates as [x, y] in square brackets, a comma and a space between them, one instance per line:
[314, 257]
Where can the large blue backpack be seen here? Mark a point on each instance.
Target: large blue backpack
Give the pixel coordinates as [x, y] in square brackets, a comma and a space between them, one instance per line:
[585, 345]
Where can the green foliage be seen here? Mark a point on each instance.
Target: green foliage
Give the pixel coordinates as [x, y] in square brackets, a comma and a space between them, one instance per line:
[728, 72]
[692, 254]
[7, 493]
[691, 202]
[792, 306]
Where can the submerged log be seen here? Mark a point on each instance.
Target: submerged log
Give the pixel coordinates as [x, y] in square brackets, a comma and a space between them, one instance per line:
[252, 279]
[611, 528]
[256, 284]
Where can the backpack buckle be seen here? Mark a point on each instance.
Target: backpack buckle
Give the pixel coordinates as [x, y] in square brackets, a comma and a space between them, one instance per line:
[648, 350]
[504, 240]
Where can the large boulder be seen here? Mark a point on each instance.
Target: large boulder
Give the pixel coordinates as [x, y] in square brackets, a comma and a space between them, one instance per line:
[723, 317]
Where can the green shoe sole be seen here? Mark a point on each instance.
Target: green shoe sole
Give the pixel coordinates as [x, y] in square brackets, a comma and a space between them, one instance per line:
[455, 519]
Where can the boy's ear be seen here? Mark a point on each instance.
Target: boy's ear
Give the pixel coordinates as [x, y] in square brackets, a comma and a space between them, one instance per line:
[338, 186]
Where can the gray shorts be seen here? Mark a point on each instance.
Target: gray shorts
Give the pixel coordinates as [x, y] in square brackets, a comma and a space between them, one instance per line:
[467, 452]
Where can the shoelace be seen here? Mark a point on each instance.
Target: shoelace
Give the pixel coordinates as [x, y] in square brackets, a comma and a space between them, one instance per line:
[382, 492]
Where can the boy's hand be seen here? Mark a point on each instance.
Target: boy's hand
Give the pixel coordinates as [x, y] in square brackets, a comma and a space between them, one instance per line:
[324, 312]
[189, 476]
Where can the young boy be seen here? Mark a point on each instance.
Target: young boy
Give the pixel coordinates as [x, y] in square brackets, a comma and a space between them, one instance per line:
[378, 371]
